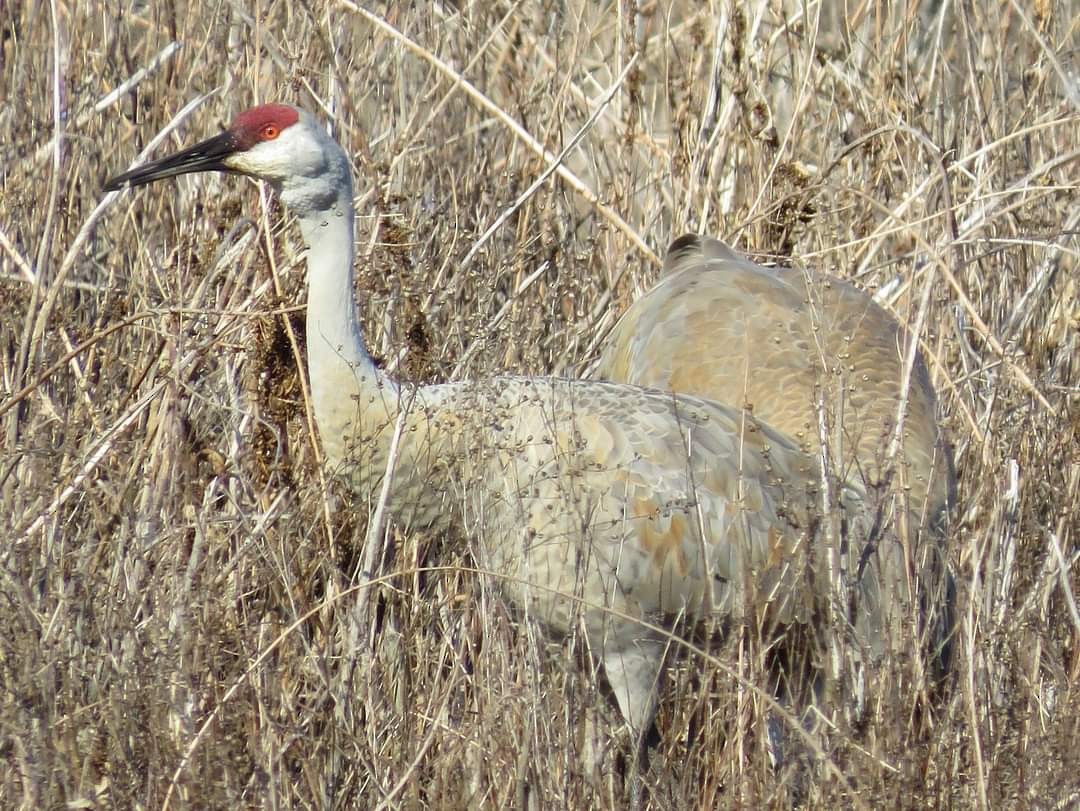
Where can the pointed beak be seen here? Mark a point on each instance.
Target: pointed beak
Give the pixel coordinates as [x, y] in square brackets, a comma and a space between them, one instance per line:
[206, 156]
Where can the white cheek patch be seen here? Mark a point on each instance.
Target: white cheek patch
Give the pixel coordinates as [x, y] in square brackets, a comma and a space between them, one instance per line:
[270, 160]
[243, 162]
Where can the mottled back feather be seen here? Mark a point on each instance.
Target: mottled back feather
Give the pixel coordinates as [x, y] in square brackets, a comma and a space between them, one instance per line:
[790, 345]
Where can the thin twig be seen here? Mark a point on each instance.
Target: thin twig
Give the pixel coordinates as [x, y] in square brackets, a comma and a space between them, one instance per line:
[575, 182]
[552, 167]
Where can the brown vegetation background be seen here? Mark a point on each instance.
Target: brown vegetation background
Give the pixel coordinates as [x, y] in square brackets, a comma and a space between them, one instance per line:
[177, 579]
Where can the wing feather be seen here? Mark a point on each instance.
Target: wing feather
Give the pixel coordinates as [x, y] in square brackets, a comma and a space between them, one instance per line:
[783, 342]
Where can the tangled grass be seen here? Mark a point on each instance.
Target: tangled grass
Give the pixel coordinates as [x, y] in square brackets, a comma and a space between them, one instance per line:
[178, 576]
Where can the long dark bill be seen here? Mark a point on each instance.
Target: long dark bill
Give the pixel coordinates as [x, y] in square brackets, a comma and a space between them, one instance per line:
[206, 156]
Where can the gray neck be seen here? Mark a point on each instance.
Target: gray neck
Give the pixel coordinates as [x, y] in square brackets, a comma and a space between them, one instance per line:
[342, 373]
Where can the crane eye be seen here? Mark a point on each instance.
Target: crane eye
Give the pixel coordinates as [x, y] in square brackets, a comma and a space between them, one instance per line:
[270, 132]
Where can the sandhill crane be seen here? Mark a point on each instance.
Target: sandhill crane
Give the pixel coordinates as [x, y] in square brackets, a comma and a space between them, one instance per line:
[793, 346]
[595, 504]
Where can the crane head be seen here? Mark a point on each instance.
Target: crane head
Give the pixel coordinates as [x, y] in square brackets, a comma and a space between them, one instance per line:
[278, 143]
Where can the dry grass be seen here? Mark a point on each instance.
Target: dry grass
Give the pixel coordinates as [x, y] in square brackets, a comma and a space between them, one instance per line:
[178, 581]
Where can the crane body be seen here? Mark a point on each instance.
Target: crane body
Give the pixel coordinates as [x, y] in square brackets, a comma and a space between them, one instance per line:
[787, 344]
